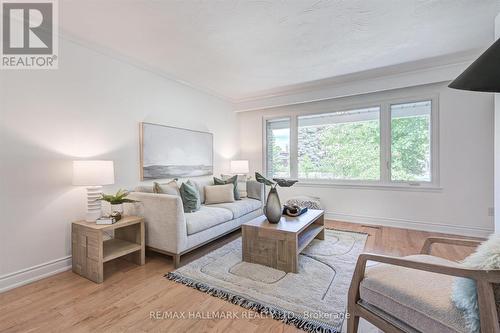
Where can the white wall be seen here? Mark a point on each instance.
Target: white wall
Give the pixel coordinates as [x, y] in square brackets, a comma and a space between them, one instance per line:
[466, 166]
[89, 108]
[497, 143]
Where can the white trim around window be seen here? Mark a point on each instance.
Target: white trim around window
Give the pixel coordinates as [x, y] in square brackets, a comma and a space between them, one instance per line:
[385, 181]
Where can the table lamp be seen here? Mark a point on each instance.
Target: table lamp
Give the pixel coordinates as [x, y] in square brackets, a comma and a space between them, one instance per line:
[93, 175]
[239, 168]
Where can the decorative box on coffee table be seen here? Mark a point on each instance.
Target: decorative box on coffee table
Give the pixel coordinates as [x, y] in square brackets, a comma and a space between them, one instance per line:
[278, 245]
[91, 251]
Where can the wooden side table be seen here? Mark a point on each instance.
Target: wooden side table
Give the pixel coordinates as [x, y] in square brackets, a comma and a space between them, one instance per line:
[90, 251]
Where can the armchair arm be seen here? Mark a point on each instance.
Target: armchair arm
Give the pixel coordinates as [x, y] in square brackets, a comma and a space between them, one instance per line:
[426, 249]
[165, 220]
[475, 274]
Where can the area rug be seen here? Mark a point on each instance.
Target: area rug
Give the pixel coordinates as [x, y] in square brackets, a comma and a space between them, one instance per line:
[313, 300]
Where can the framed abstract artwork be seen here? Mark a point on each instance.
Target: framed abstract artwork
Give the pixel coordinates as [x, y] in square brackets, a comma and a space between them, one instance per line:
[172, 152]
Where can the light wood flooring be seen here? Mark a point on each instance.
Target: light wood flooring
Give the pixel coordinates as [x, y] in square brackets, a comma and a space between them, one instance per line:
[67, 302]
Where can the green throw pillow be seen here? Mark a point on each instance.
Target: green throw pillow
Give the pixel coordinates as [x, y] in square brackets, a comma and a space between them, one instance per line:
[233, 180]
[190, 197]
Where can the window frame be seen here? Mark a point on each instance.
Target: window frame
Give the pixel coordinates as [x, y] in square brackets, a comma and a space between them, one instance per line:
[385, 118]
[264, 142]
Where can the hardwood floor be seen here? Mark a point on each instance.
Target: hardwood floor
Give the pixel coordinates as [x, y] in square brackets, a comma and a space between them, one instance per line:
[67, 302]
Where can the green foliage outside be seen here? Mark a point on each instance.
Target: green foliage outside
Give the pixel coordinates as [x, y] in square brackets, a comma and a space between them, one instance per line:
[411, 148]
[340, 151]
[352, 150]
[279, 161]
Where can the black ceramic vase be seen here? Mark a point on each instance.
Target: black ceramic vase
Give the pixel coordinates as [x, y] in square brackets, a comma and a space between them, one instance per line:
[273, 208]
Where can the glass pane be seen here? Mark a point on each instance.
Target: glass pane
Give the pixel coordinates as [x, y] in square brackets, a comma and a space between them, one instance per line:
[411, 141]
[278, 148]
[341, 145]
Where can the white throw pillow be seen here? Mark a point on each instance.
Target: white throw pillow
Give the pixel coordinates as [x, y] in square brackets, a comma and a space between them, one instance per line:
[167, 188]
[200, 184]
[464, 295]
[241, 184]
[219, 194]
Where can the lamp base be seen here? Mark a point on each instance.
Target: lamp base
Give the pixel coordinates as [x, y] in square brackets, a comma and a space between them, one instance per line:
[93, 203]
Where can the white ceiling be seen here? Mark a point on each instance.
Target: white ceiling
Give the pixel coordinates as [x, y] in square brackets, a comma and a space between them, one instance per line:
[238, 49]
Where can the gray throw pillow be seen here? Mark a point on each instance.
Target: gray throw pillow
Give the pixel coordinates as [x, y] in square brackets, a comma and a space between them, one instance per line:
[190, 197]
[233, 180]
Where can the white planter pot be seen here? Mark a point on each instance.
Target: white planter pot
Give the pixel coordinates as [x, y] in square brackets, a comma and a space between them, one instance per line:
[117, 208]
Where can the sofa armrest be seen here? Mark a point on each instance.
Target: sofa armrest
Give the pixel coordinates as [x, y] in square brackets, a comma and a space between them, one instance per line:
[255, 190]
[165, 220]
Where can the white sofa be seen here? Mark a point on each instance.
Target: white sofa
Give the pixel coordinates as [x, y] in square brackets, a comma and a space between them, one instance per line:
[171, 231]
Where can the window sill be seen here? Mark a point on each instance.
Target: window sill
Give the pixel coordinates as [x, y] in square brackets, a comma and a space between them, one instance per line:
[386, 187]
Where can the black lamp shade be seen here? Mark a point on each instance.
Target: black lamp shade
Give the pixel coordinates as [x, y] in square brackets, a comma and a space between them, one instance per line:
[483, 74]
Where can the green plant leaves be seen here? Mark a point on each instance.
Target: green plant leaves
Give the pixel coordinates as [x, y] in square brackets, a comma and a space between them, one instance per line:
[263, 180]
[118, 198]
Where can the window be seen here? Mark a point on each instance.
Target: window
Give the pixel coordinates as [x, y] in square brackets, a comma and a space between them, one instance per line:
[389, 144]
[341, 145]
[411, 141]
[278, 147]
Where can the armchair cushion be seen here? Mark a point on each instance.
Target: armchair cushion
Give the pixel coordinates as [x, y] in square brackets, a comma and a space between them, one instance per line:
[419, 299]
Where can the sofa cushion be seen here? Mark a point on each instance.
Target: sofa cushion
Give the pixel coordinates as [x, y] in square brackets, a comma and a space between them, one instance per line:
[240, 207]
[417, 298]
[205, 218]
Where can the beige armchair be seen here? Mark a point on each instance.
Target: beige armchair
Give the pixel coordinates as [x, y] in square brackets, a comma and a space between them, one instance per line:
[413, 293]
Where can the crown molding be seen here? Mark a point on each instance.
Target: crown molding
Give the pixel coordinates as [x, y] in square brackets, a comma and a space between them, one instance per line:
[436, 69]
[421, 72]
[108, 52]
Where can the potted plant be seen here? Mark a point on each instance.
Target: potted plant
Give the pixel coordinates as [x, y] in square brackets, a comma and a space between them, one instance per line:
[117, 200]
[273, 208]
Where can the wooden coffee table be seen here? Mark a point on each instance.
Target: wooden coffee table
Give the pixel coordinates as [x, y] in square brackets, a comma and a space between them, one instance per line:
[278, 245]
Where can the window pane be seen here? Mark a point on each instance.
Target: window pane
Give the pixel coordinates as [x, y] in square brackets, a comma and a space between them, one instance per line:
[411, 141]
[341, 145]
[278, 147]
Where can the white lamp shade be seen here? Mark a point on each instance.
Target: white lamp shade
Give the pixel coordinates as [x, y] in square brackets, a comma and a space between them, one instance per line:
[239, 166]
[93, 173]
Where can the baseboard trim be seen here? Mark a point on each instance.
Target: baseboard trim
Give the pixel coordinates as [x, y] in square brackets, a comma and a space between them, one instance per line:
[38, 272]
[34, 273]
[411, 224]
